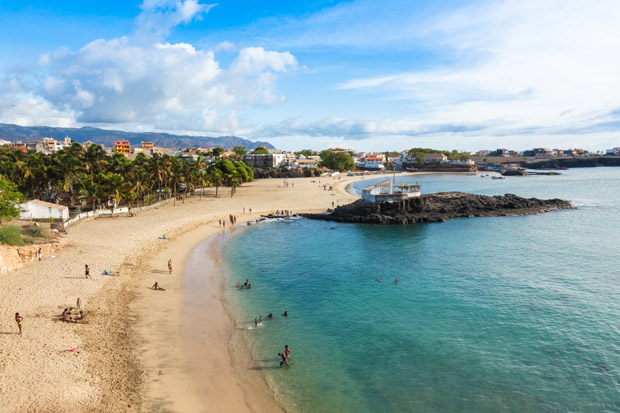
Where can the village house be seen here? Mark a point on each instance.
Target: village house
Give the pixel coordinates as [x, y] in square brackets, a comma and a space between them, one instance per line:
[435, 158]
[37, 209]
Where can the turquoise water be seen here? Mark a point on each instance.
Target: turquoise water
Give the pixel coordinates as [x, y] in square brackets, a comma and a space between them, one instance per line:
[490, 314]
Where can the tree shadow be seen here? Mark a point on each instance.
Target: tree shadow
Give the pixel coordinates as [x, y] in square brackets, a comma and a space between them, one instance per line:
[7, 333]
[159, 272]
[76, 278]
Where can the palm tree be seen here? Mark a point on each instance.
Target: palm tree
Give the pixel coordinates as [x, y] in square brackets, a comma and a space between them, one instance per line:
[67, 167]
[203, 179]
[216, 178]
[94, 160]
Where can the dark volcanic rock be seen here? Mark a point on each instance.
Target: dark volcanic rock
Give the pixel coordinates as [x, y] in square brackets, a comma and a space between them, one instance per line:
[440, 207]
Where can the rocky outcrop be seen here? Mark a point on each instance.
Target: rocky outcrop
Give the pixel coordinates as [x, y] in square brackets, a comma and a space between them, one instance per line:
[440, 207]
[15, 257]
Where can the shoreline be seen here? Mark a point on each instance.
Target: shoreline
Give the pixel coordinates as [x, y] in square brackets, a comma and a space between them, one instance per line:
[129, 328]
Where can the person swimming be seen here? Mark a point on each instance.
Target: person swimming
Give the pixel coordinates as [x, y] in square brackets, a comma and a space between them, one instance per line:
[284, 360]
[285, 314]
[270, 316]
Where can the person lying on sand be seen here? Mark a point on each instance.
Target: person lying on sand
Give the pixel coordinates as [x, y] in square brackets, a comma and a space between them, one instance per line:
[162, 237]
[106, 272]
[157, 287]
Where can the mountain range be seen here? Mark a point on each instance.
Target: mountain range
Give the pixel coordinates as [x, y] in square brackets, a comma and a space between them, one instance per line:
[106, 137]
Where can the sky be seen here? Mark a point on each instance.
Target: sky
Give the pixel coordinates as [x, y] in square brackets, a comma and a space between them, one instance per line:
[365, 75]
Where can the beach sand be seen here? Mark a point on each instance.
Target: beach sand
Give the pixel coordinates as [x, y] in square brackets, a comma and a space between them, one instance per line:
[137, 351]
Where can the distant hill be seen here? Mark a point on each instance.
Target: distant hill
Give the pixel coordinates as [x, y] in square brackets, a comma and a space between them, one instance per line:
[107, 137]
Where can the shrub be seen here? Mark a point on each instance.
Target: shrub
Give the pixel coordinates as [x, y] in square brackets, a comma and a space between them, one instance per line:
[11, 236]
[35, 231]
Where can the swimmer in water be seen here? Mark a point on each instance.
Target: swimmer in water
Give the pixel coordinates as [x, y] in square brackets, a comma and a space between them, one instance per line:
[270, 316]
[285, 314]
[260, 319]
[284, 360]
[287, 351]
[255, 323]
[396, 281]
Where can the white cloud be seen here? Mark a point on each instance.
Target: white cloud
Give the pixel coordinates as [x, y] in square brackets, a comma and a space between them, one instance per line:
[546, 67]
[166, 86]
[158, 17]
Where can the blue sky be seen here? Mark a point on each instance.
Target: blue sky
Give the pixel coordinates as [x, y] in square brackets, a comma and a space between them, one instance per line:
[361, 74]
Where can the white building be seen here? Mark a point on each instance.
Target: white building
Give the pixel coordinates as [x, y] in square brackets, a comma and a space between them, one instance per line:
[613, 151]
[390, 190]
[37, 209]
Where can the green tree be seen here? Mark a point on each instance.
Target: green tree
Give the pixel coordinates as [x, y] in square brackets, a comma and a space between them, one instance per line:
[240, 150]
[340, 161]
[305, 152]
[219, 151]
[261, 150]
[10, 198]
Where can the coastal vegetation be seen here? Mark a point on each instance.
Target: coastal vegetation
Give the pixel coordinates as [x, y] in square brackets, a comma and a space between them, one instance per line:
[79, 177]
[10, 198]
[20, 235]
[420, 153]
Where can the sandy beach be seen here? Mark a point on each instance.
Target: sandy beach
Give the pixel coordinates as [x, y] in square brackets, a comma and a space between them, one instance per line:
[137, 351]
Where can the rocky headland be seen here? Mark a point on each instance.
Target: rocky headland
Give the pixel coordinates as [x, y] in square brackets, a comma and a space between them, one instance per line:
[440, 207]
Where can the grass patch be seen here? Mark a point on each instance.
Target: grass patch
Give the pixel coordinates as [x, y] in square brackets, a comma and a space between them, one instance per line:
[10, 235]
[23, 235]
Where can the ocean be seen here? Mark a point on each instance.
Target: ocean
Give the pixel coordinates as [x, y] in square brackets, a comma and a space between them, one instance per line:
[489, 314]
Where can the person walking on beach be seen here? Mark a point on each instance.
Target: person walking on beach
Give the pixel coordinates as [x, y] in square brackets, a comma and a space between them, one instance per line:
[86, 271]
[170, 267]
[39, 254]
[18, 320]
[79, 303]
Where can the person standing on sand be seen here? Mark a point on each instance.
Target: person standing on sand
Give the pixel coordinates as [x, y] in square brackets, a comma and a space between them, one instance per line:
[18, 320]
[86, 271]
[39, 254]
[170, 267]
[79, 303]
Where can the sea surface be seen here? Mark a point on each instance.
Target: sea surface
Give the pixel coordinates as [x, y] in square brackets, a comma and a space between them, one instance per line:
[489, 314]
